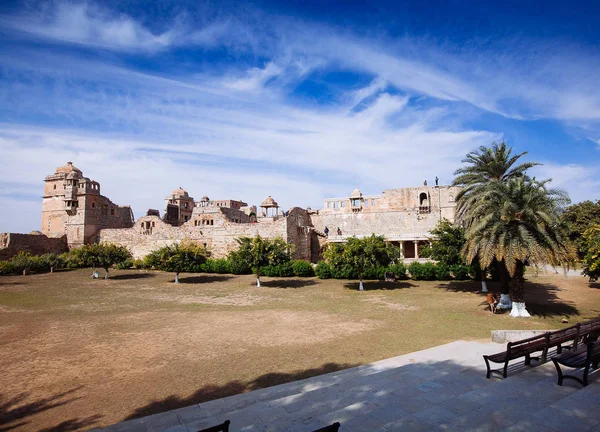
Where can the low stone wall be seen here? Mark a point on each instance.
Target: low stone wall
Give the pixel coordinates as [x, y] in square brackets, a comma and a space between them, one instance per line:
[36, 244]
[504, 336]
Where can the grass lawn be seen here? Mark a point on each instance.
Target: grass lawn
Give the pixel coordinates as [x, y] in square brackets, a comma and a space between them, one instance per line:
[77, 353]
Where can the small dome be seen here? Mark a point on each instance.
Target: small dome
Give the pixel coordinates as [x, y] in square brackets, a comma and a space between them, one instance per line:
[68, 168]
[180, 192]
[269, 202]
[204, 199]
[36, 233]
[356, 194]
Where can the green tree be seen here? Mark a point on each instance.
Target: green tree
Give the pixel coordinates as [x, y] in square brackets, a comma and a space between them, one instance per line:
[577, 219]
[517, 223]
[447, 243]
[258, 252]
[485, 167]
[591, 259]
[103, 255]
[367, 252]
[177, 258]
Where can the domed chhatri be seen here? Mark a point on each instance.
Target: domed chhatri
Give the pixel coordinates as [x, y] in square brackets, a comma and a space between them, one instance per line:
[356, 194]
[269, 202]
[204, 199]
[180, 192]
[68, 168]
[269, 207]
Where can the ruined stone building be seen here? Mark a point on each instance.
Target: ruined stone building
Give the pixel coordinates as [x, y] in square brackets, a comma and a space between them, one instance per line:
[75, 213]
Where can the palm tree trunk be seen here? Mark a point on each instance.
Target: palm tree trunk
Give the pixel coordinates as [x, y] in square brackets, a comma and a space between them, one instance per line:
[517, 293]
[504, 277]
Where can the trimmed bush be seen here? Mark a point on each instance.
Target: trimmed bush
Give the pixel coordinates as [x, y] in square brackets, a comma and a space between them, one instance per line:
[399, 269]
[323, 270]
[125, 265]
[425, 271]
[302, 268]
[219, 265]
[138, 263]
[374, 273]
[461, 271]
[6, 268]
[279, 270]
[442, 272]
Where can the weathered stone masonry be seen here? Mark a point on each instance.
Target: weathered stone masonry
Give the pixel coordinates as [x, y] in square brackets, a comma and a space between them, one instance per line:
[75, 213]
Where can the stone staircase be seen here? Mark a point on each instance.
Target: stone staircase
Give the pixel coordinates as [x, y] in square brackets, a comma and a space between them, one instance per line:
[442, 388]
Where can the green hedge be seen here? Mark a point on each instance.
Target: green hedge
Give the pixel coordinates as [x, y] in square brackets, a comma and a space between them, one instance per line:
[25, 262]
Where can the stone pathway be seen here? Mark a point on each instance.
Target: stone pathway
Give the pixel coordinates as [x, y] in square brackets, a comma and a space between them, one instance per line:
[442, 389]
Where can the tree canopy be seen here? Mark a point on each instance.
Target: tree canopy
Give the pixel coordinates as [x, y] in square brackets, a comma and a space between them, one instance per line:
[447, 243]
[178, 258]
[578, 218]
[257, 252]
[359, 254]
[103, 255]
[591, 260]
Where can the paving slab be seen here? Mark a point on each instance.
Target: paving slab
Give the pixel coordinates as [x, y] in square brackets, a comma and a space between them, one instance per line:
[442, 388]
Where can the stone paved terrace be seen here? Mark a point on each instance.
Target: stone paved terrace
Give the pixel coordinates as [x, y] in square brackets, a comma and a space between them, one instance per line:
[441, 388]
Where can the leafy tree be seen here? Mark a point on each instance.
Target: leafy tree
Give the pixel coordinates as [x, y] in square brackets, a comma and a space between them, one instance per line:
[367, 252]
[591, 260]
[258, 252]
[103, 255]
[484, 168]
[577, 219]
[447, 243]
[177, 258]
[517, 223]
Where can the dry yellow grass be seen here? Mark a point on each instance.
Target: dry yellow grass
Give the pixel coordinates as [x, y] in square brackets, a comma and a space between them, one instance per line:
[77, 353]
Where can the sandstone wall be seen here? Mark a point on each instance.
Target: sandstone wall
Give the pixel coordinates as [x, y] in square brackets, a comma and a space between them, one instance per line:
[11, 244]
[150, 233]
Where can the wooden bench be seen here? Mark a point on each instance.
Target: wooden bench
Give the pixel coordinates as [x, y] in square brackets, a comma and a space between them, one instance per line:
[587, 356]
[331, 428]
[515, 350]
[223, 427]
[568, 338]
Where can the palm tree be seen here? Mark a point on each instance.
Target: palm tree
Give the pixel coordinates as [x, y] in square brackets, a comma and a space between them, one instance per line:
[517, 223]
[486, 166]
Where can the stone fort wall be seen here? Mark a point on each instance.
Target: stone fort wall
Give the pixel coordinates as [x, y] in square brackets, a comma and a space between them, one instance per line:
[36, 244]
[150, 233]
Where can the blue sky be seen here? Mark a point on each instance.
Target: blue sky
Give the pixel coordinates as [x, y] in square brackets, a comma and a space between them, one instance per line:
[300, 100]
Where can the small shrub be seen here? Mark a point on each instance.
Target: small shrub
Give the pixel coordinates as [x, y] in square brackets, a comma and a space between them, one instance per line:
[399, 269]
[442, 272]
[219, 265]
[238, 266]
[138, 263]
[425, 271]
[279, 270]
[461, 271]
[302, 268]
[323, 270]
[6, 268]
[124, 265]
[374, 273]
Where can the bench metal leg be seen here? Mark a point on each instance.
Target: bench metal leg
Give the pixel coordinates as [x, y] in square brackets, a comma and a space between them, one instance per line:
[560, 374]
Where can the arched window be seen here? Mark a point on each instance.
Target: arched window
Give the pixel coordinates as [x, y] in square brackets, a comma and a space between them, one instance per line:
[423, 201]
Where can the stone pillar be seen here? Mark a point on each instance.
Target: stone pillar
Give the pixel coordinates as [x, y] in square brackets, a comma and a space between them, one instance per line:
[416, 242]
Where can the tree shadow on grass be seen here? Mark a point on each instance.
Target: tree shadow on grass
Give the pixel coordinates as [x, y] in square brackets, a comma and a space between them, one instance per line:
[287, 283]
[542, 300]
[132, 276]
[203, 279]
[15, 411]
[211, 392]
[469, 286]
[379, 285]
